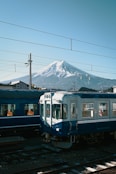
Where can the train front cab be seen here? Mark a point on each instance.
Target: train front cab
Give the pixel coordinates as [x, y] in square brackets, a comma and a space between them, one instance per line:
[51, 112]
[55, 115]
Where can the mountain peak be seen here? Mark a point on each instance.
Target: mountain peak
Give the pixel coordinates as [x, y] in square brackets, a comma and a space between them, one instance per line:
[59, 69]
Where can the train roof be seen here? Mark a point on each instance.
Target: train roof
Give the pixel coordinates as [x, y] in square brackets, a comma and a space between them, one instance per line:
[20, 93]
[96, 95]
[61, 94]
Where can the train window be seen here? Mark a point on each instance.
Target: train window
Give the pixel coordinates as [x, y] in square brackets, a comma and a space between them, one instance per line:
[114, 109]
[73, 110]
[64, 111]
[35, 109]
[8, 109]
[47, 110]
[103, 109]
[59, 111]
[56, 111]
[30, 109]
[88, 110]
[41, 110]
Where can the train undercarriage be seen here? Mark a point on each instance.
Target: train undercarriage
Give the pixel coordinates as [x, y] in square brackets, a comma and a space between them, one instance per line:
[69, 141]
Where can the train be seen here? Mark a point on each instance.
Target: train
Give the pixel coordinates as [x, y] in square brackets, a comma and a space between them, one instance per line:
[75, 116]
[19, 111]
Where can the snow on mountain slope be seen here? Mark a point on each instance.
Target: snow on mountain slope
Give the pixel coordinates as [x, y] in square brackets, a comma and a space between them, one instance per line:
[59, 69]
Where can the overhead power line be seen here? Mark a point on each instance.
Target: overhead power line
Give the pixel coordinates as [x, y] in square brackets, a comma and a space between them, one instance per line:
[70, 48]
[57, 47]
[33, 29]
[71, 39]
[34, 43]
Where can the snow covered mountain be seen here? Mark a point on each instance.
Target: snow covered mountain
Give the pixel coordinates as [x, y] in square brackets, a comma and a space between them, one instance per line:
[60, 69]
[61, 75]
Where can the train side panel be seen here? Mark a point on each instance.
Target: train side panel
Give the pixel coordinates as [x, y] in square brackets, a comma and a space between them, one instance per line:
[85, 113]
[19, 110]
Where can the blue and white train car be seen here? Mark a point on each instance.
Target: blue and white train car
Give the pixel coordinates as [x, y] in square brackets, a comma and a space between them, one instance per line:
[78, 115]
[19, 110]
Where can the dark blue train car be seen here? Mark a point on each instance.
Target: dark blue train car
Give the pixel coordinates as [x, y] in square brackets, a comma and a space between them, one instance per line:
[19, 110]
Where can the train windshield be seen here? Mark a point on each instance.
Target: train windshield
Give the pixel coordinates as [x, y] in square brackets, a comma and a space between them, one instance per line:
[56, 111]
[59, 111]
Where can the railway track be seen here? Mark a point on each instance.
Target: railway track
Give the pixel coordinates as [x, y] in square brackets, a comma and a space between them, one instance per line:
[91, 167]
[101, 166]
[65, 168]
[23, 157]
[39, 158]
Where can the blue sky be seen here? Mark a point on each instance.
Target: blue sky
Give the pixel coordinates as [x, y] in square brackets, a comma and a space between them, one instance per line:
[81, 32]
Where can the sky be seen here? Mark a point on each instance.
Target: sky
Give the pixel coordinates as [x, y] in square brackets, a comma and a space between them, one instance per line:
[80, 32]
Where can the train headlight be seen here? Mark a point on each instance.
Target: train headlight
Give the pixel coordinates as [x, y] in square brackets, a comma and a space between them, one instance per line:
[57, 129]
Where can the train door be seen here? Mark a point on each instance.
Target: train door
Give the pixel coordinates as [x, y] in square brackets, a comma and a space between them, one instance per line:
[46, 108]
[73, 116]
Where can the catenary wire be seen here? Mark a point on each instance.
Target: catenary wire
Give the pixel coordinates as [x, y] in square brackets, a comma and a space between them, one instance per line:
[57, 35]
[52, 46]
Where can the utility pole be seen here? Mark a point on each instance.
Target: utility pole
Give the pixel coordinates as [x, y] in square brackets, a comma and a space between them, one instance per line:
[30, 71]
[30, 74]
